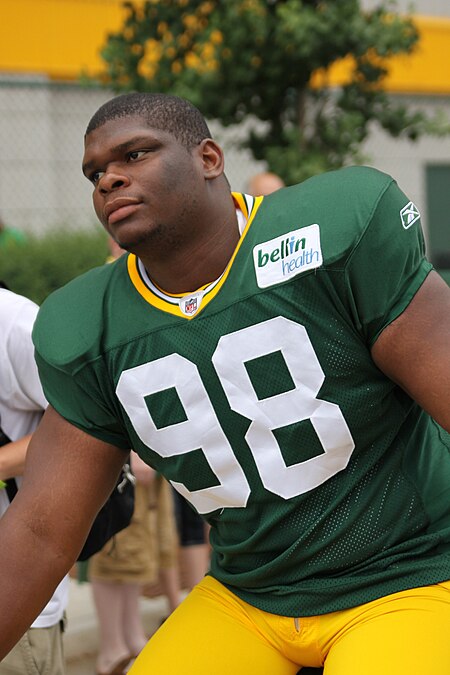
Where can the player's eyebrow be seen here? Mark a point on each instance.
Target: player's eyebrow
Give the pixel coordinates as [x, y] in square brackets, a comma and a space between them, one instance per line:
[121, 147]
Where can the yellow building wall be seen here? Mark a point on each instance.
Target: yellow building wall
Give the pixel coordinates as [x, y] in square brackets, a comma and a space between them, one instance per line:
[58, 38]
[62, 38]
[426, 71]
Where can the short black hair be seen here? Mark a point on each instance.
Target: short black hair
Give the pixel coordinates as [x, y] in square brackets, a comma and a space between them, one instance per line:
[166, 112]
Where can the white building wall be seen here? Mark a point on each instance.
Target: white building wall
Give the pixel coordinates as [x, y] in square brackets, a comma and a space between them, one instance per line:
[425, 7]
[406, 160]
[41, 147]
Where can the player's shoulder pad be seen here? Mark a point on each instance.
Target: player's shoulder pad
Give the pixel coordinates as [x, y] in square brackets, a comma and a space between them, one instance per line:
[340, 203]
[365, 181]
[71, 321]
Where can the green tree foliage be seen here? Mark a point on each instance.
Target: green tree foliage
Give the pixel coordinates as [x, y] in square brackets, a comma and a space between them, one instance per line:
[258, 59]
[44, 264]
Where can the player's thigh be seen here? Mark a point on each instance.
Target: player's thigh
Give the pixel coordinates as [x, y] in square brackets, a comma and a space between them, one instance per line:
[210, 633]
[403, 634]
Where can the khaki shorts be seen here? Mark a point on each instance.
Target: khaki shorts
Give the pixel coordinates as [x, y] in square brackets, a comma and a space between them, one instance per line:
[150, 542]
[38, 652]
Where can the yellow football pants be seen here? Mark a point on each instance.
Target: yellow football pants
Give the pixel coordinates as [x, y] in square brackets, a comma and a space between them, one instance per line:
[215, 633]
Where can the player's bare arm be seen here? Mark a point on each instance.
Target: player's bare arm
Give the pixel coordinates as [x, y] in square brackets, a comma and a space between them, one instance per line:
[68, 476]
[414, 350]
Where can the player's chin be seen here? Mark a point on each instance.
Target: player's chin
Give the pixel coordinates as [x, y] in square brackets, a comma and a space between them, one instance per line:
[135, 238]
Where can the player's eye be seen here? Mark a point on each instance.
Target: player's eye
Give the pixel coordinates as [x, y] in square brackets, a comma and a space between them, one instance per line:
[135, 154]
[95, 177]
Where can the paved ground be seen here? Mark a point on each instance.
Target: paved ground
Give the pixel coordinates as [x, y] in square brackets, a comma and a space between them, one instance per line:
[81, 638]
[84, 665]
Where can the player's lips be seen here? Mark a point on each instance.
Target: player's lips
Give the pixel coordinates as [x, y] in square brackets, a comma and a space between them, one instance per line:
[120, 208]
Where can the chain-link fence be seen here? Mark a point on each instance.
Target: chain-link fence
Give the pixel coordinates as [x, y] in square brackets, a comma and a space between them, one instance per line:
[42, 125]
[41, 141]
[41, 146]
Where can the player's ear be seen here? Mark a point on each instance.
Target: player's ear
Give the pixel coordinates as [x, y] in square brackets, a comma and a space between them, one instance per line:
[212, 158]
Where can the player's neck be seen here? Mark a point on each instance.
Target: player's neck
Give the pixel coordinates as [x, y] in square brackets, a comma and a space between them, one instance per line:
[196, 265]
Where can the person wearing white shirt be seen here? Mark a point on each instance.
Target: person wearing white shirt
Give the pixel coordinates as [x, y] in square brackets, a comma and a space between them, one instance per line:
[22, 404]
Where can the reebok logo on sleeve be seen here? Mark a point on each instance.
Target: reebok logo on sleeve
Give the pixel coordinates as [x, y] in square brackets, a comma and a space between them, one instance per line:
[409, 214]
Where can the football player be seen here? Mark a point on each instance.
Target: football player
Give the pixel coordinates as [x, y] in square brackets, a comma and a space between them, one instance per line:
[285, 362]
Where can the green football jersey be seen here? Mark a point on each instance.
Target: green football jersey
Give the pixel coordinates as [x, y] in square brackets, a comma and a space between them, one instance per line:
[325, 485]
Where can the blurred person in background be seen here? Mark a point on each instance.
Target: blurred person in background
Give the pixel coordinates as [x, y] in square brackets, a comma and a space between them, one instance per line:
[10, 235]
[127, 563]
[264, 183]
[194, 546]
[22, 403]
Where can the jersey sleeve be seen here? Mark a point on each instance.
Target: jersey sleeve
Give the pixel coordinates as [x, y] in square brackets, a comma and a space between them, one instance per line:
[81, 402]
[388, 265]
[68, 340]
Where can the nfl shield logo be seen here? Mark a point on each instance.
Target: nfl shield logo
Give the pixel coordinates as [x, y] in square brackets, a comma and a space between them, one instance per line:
[190, 306]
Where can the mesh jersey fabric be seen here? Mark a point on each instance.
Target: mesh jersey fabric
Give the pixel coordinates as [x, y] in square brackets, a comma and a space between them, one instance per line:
[325, 485]
[22, 404]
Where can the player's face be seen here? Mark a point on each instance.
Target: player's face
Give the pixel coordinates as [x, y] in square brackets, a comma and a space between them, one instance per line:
[147, 186]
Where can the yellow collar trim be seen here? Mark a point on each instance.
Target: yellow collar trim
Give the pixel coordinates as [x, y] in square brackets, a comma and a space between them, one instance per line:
[170, 303]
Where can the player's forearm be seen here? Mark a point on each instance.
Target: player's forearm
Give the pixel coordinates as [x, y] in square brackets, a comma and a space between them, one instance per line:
[12, 458]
